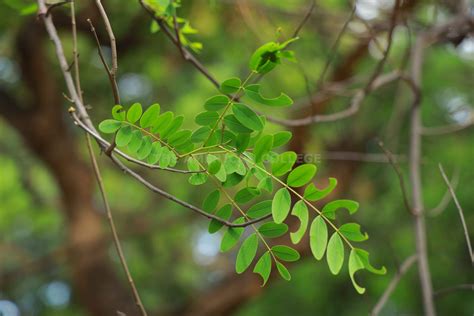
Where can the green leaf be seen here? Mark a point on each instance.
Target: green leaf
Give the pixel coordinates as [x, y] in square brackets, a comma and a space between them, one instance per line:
[264, 267]
[232, 235]
[312, 193]
[155, 154]
[352, 232]
[335, 253]
[358, 260]
[207, 118]
[318, 237]
[216, 103]
[301, 175]
[172, 127]
[262, 147]
[329, 210]
[284, 273]
[242, 142]
[246, 194]
[109, 126]
[145, 148]
[232, 180]
[234, 125]
[281, 138]
[264, 59]
[201, 134]
[260, 209]
[234, 164]
[168, 158]
[213, 164]
[281, 205]
[266, 184]
[150, 116]
[118, 113]
[247, 117]
[162, 122]
[134, 113]
[136, 142]
[124, 136]
[285, 253]
[246, 253]
[253, 92]
[225, 213]
[179, 138]
[283, 163]
[211, 201]
[273, 230]
[300, 210]
[231, 85]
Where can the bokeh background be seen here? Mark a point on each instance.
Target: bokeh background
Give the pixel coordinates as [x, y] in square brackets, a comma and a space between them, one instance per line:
[56, 254]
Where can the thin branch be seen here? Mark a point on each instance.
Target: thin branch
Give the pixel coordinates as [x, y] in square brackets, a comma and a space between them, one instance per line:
[454, 288]
[117, 243]
[396, 167]
[447, 129]
[305, 18]
[354, 105]
[178, 38]
[360, 156]
[334, 48]
[402, 270]
[98, 177]
[110, 33]
[461, 214]
[415, 180]
[110, 74]
[443, 204]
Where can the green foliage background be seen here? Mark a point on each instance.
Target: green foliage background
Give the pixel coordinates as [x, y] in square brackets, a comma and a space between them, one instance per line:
[168, 249]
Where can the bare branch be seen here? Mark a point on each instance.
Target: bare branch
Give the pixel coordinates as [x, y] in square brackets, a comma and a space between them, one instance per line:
[415, 180]
[110, 74]
[448, 129]
[110, 33]
[461, 214]
[305, 18]
[402, 270]
[454, 288]
[443, 204]
[395, 166]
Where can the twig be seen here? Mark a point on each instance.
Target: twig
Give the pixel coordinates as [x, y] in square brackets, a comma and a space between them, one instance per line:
[443, 204]
[461, 214]
[395, 166]
[360, 156]
[178, 38]
[110, 74]
[98, 177]
[305, 18]
[402, 270]
[447, 129]
[110, 33]
[448, 290]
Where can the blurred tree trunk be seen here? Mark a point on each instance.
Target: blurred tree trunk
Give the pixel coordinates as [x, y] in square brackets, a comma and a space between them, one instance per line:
[42, 126]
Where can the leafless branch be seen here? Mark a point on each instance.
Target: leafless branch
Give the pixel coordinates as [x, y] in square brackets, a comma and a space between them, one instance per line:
[305, 18]
[110, 74]
[395, 166]
[98, 176]
[416, 186]
[454, 288]
[443, 204]
[402, 270]
[461, 214]
[448, 129]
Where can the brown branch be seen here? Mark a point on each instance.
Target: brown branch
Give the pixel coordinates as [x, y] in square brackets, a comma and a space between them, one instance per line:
[98, 176]
[402, 270]
[447, 129]
[443, 204]
[416, 186]
[118, 246]
[461, 214]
